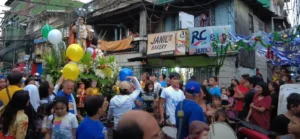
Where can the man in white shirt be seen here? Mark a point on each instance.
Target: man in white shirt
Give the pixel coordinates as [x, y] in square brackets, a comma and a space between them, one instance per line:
[171, 96]
[157, 85]
[122, 103]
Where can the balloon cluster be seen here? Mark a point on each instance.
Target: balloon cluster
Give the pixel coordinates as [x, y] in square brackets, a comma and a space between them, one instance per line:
[74, 52]
[53, 35]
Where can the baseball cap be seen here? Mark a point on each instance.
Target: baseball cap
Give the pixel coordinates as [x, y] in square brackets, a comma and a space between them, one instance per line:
[125, 85]
[192, 87]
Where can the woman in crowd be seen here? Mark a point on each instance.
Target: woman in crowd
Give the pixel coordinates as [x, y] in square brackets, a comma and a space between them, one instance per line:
[205, 99]
[234, 83]
[148, 96]
[205, 83]
[259, 113]
[46, 92]
[274, 93]
[2, 82]
[13, 120]
[145, 77]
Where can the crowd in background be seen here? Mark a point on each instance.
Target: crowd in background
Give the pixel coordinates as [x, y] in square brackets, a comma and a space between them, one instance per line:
[35, 108]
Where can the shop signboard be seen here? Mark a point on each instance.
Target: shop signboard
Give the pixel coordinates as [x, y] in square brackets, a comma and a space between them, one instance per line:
[161, 44]
[181, 42]
[201, 38]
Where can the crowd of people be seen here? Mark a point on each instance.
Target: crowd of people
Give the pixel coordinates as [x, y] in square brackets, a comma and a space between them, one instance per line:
[37, 109]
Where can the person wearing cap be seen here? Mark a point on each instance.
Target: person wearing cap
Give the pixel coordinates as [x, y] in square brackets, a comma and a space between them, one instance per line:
[188, 110]
[123, 102]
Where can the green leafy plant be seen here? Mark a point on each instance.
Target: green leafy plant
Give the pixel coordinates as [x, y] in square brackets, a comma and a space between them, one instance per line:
[54, 61]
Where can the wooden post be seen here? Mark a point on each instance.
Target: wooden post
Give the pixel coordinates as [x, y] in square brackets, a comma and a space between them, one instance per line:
[143, 32]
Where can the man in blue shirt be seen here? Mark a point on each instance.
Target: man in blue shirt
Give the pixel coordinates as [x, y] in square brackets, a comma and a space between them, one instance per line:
[91, 127]
[162, 80]
[213, 88]
[67, 91]
[188, 110]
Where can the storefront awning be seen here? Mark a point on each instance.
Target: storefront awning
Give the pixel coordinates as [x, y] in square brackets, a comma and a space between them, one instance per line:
[178, 61]
[202, 60]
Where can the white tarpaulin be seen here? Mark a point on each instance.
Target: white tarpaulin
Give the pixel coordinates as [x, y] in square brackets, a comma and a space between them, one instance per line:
[285, 91]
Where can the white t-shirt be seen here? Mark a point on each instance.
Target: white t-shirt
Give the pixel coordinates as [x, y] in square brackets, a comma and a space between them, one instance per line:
[50, 99]
[172, 98]
[47, 100]
[62, 126]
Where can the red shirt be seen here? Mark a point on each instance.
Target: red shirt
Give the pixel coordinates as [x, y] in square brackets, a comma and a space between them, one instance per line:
[239, 103]
[261, 119]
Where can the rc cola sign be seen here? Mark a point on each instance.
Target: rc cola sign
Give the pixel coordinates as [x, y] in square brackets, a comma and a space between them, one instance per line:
[201, 37]
[161, 44]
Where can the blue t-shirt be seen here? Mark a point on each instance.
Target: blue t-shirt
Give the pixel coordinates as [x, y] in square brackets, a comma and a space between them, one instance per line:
[163, 84]
[136, 107]
[192, 112]
[91, 129]
[71, 101]
[215, 91]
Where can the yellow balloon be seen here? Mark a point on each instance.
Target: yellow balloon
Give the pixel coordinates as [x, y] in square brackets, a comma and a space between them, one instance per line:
[70, 72]
[75, 52]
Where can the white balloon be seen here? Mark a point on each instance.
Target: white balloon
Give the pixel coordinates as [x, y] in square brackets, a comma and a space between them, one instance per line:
[55, 36]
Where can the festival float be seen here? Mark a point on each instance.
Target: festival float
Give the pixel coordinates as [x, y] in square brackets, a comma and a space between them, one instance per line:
[82, 62]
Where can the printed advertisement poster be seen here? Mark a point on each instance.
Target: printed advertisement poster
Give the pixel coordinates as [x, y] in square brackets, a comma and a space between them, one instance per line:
[285, 91]
[201, 38]
[181, 42]
[161, 44]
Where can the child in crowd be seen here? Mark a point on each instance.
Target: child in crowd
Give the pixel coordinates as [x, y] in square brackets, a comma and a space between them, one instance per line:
[224, 94]
[221, 116]
[198, 130]
[41, 121]
[230, 107]
[216, 105]
[62, 124]
[91, 127]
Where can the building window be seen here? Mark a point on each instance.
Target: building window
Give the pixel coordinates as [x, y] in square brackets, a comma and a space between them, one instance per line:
[261, 26]
[251, 24]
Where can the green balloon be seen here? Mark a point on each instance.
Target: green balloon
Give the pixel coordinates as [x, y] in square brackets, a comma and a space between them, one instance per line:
[45, 30]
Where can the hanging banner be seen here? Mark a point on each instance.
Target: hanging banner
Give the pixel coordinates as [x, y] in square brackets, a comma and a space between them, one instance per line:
[161, 44]
[201, 38]
[181, 42]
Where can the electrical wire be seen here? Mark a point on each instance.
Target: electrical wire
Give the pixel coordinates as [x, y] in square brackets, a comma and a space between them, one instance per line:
[200, 6]
[165, 10]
